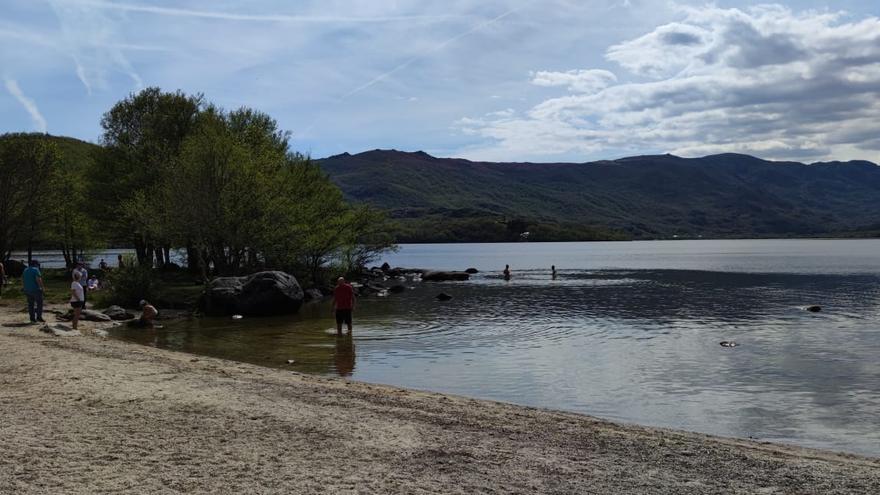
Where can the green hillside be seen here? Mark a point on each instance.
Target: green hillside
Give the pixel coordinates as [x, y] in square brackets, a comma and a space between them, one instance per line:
[436, 199]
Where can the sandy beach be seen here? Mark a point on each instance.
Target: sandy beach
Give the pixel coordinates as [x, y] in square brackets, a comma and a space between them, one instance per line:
[91, 415]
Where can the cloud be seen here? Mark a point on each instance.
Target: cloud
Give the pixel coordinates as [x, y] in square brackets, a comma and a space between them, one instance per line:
[764, 80]
[580, 81]
[29, 104]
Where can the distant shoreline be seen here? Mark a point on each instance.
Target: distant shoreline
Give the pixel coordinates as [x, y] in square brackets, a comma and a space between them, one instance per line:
[118, 416]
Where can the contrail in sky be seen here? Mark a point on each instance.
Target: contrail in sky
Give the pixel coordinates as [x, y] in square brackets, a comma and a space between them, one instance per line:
[435, 49]
[29, 104]
[230, 16]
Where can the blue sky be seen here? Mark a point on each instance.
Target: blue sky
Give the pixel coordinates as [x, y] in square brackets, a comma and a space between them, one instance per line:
[495, 79]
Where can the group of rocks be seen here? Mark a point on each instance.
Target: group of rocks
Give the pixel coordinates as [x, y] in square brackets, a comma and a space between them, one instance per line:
[275, 292]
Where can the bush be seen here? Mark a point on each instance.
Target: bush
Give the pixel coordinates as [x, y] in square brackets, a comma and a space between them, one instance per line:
[131, 283]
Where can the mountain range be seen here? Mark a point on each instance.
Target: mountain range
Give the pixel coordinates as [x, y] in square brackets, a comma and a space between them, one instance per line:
[642, 197]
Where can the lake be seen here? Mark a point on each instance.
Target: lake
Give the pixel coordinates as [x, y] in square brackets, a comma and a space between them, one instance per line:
[627, 331]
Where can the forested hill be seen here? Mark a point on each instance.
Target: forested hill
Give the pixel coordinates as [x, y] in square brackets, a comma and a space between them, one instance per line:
[729, 195]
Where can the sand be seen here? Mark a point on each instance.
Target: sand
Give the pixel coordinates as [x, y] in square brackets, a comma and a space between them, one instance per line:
[92, 415]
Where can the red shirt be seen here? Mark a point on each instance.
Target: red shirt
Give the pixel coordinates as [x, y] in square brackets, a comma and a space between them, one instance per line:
[344, 296]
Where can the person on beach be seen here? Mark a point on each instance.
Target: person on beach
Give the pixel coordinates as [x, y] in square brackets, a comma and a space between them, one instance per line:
[506, 272]
[103, 265]
[148, 314]
[343, 304]
[32, 282]
[77, 301]
[82, 276]
[93, 284]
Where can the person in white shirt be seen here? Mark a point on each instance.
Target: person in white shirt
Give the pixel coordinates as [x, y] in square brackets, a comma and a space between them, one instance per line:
[77, 301]
[82, 276]
[93, 283]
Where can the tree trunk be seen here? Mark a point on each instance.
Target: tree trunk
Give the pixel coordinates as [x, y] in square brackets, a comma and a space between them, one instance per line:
[160, 260]
[140, 249]
[193, 259]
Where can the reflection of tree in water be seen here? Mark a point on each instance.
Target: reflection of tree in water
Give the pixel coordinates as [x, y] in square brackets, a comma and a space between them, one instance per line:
[344, 354]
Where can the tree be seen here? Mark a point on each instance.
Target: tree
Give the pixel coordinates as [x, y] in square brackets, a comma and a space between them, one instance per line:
[26, 165]
[143, 135]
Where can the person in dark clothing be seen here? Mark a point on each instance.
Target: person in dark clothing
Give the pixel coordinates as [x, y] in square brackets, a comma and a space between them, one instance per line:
[32, 281]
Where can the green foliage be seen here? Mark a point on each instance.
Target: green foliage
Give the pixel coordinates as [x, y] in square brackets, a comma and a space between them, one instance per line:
[143, 136]
[129, 284]
[27, 164]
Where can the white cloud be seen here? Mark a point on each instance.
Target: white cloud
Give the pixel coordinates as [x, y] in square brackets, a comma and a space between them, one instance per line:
[764, 80]
[579, 81]
[29, 104]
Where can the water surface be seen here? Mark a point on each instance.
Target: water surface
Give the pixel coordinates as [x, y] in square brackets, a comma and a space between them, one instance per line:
[626, 331]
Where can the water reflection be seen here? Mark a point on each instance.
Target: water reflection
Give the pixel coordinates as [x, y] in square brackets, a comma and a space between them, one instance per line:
[343, 357]
[632, 345]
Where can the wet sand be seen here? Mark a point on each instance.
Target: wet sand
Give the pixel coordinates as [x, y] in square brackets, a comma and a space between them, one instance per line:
[91, 415]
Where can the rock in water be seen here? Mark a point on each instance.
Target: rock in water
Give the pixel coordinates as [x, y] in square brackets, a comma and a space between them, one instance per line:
[395, 289]
[444, 276]
[313, 294]
[729, 343]
[814, 308]
[472, 271]
[443, 296]
[118, 313]
[260, 294]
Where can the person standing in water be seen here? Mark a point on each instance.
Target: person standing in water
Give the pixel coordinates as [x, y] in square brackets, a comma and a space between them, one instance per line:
[553, 271]
[506, 272]
[343, 304]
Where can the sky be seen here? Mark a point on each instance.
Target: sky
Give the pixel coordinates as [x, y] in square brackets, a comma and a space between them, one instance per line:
[500, 80]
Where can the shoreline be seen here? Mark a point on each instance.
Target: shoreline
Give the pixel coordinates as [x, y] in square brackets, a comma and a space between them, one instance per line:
[86, 414]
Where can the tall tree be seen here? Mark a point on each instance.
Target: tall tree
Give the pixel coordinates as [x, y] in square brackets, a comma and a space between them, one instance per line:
[26, 165]
[143, 135]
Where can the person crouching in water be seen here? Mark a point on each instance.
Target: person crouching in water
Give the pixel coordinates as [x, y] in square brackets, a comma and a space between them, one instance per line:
[77, 300]
[148, 314]
[343, 304]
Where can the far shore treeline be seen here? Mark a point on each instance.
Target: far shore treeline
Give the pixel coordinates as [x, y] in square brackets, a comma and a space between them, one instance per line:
[176, 172]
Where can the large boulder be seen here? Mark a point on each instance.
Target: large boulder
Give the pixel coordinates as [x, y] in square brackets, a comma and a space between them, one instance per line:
[119, 313]
[260, 294]
[444, 276]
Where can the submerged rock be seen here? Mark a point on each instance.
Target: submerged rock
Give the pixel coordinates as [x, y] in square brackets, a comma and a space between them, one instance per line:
[443, 296]
[814, 308]
[444, 276]
[260, 294]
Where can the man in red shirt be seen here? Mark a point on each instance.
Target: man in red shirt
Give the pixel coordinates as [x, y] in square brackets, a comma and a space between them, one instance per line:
[343, 304]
